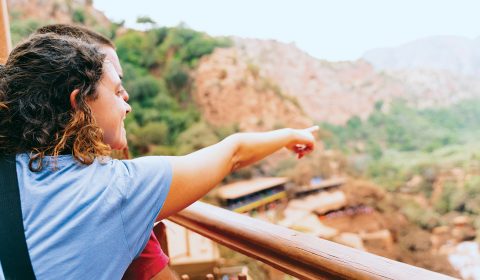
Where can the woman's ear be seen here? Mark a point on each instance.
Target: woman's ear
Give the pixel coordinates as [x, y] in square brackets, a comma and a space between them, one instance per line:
[73, 98]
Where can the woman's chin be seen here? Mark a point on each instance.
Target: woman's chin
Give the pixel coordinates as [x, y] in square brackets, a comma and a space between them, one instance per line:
[119, 145]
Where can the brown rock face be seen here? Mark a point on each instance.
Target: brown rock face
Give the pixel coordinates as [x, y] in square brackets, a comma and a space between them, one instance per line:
[231, 90]
[326, 91]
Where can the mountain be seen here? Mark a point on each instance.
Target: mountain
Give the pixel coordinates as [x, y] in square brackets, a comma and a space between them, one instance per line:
[324, 91]
[458, 55]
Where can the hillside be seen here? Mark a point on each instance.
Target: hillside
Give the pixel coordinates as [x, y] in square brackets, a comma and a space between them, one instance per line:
[325, 91]
[230, 89]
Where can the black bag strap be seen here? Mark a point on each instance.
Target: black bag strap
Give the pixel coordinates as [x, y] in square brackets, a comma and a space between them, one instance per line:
[14, 255]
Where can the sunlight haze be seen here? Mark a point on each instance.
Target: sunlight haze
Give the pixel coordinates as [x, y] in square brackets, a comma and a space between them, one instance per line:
[332, 30]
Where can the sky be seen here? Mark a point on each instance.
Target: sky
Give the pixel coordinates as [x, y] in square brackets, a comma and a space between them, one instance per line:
[333, 30]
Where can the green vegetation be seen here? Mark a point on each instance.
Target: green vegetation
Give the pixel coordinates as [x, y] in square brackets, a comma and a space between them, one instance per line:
[464, 198]
[145, 20]
[78, 16]
[397, 147]
[157, 65]
[406, 129]
[22, 28]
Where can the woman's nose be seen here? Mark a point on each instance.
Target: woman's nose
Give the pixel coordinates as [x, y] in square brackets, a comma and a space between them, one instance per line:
[125, 98]
[125, 95]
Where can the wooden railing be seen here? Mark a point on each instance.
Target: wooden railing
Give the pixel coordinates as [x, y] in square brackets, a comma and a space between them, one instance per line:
[301, 255]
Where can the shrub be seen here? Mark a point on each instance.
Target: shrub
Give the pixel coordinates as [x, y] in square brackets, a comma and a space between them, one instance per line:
[135, 47]
[176, 77]
[143, 89]
[22, 28]
[78, 16]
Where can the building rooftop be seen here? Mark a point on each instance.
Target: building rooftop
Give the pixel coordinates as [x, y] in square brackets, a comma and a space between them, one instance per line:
[242, 188]
[327, 183]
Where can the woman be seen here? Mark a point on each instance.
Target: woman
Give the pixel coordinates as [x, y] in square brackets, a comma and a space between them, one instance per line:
[87, 216]
[152, 260]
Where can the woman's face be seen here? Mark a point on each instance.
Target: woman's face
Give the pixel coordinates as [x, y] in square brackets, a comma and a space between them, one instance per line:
[110, 107]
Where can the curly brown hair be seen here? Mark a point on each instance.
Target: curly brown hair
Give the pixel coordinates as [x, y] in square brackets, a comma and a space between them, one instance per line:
[35, 112]
[88, 36]
[76, 31]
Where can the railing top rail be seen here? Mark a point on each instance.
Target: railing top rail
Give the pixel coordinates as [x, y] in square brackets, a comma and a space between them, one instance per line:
[295, 253]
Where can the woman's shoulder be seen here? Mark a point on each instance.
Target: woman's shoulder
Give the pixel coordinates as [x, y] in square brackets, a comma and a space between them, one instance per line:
[144, 165]
[67, 164]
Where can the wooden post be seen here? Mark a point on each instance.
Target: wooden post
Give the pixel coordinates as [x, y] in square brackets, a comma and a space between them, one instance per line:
[5, 41]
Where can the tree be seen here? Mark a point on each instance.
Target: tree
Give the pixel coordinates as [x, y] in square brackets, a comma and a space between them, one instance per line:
[143, 89]
[145, 20]
[78, 16]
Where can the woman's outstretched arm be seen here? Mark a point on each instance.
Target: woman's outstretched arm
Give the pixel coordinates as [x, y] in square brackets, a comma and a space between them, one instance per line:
[197, 173]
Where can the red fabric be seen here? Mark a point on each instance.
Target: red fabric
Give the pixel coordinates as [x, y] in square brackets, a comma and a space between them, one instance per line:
[150, 262]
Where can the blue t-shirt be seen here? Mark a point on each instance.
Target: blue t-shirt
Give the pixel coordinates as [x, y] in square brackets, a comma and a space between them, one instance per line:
[90, 222]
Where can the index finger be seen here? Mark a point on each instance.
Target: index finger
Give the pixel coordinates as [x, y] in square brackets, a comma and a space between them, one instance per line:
[312, 128]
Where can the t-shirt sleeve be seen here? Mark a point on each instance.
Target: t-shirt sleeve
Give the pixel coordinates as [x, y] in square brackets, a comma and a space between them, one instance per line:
[147, 183]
